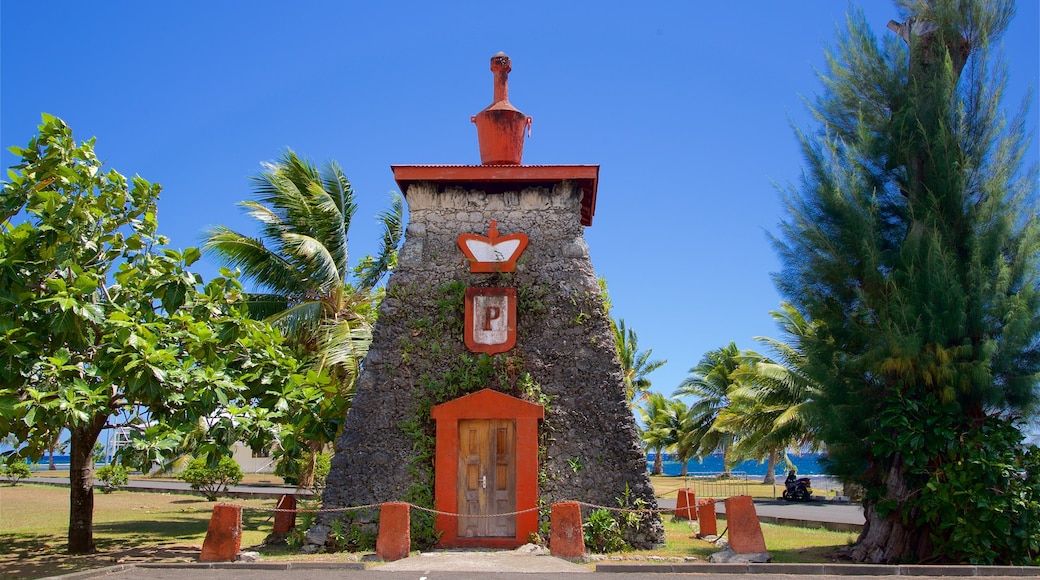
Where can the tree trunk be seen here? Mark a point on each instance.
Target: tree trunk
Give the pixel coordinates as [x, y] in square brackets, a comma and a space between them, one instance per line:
[685, 461]
[886, 540]
[770, 477]
[81, 485]
[306, 477]
[725, 461]
[658, 462]
[50, 463]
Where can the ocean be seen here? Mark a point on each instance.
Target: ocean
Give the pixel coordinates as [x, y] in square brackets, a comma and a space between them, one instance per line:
[806, 464]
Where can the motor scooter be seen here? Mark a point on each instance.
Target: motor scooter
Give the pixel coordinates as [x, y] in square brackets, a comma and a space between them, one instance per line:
[797, 488]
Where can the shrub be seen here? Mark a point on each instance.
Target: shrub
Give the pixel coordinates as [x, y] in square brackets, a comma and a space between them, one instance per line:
[16, 471]
[602, 532]
[607, 532]
[212, 481]
[347, 536]
[322, 466]
[111, 477]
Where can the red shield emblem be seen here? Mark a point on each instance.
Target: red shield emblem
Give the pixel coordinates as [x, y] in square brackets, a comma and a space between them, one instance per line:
[490, 319]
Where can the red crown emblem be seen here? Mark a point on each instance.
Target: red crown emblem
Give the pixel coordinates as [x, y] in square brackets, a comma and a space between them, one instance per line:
[492, 253]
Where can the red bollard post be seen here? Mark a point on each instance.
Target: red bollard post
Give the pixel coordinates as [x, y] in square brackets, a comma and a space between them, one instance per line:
[395, 532]
[224, 535]
[706, 517]
[285, 515]
[566, 538]
[745, 532]
[686, 505]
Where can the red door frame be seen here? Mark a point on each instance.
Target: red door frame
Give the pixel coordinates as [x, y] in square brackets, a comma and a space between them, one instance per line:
[486, 404]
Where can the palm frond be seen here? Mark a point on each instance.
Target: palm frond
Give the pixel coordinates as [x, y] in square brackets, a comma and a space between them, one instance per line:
[299, 320]
[319, 265]
[263, 306]
[258, 263]
[385, 261]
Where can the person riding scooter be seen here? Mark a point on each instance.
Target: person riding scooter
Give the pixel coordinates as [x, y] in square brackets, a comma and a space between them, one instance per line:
[797, 489]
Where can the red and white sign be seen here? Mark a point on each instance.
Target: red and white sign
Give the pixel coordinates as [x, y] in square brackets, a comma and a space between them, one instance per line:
[492, 253]
[490, 319]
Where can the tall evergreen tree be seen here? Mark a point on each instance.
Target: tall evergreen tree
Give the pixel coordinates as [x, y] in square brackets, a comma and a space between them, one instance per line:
[912, 245]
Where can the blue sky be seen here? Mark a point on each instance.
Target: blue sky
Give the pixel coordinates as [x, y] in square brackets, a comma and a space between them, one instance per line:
[686, 106]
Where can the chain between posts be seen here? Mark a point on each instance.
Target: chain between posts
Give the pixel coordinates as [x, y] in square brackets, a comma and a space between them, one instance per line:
[451, 514]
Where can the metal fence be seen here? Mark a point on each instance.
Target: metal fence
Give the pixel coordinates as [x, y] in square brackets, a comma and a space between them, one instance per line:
[718, 486]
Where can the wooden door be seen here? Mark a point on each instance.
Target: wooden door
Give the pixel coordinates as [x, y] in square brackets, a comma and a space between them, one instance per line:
[487, 477]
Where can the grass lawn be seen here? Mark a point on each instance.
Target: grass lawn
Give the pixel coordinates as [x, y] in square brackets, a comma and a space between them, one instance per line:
[133, 526]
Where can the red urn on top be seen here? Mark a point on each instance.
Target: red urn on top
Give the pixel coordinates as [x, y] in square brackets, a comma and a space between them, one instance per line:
[500, 127]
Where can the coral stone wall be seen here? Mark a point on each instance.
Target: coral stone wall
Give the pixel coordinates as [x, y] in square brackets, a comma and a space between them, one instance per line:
[564, 358]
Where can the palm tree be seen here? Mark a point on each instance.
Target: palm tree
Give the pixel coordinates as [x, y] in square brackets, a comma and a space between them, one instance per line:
[655, 430]
[680, 418]
[299, 266]
[709, 383]
[772, 407]
[635, 364]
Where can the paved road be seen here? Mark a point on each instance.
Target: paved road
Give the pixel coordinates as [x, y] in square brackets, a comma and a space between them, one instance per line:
[846, 515]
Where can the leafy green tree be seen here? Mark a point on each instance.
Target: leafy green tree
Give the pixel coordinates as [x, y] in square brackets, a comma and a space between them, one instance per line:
[98, 318]
[299, 265]
[912, 246]
[771, 408]
[15, 470]
[709, 383]
[635, 364]
[111, 477]
[212, 481]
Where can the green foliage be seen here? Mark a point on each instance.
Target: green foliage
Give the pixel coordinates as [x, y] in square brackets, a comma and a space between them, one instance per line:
[322, 467]
[772, 406]
[912, 245]
[297, 537]
[710, 384]
[288, 468]
[605, 530]
[980, 485]
[111, 477]
[602, 532]
[324, 306]
[14, 471]
[212, 480]
[99, 319]
[445, 372]
[635, 364]
[345, 536]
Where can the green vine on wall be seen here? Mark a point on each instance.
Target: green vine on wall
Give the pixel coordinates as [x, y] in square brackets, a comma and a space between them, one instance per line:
[432, 349]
